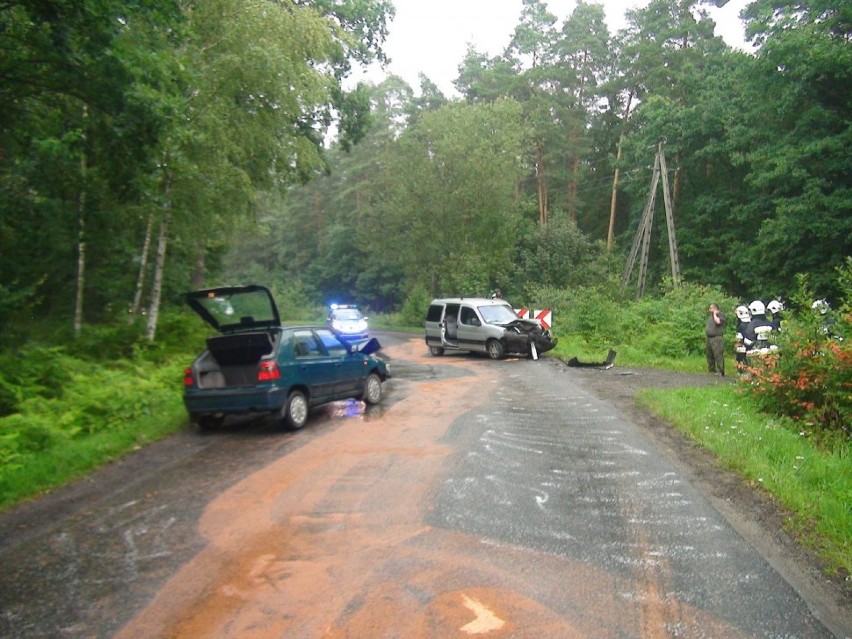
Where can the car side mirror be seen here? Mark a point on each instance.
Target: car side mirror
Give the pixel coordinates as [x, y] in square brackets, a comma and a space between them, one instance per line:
[475, 322]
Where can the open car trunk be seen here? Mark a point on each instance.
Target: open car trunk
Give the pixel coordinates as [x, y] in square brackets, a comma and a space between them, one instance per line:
[231, 360]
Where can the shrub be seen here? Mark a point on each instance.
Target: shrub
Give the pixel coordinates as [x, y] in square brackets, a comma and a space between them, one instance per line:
[414, 309]
[669, 324]
[807, 382]
[33, 371]
[29, 434]
[593, 313]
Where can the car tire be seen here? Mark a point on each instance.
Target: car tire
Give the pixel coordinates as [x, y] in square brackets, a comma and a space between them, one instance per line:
[495, 349]
[372, 389]
[296, 410]
[436, 351]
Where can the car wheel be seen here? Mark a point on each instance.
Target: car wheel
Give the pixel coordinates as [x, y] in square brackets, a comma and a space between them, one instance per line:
[372, 389]
[296, 410]
[437, 351]
[495, 349]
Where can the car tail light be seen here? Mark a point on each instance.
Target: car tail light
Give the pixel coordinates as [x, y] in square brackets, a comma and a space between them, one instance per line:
[188, 379]
[267, 371]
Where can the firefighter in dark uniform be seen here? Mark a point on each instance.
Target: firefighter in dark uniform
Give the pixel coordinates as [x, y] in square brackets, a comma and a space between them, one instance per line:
[758, 330]
[743, 318]
[775, 307]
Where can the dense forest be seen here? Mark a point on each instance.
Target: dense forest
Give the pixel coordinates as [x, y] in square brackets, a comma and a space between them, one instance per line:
[153, 146]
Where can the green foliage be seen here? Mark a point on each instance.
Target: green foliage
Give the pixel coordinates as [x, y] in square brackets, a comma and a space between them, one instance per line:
[33, 371]
[593, 313]
[558, 255]
[413, 311]
[667, 326]
[294, 304]
[65, 404]
[172, 117]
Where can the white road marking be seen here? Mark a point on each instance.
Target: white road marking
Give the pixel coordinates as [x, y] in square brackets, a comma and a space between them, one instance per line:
[485, 621]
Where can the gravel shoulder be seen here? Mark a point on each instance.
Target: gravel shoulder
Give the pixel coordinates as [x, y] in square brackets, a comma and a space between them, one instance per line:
[753, 513]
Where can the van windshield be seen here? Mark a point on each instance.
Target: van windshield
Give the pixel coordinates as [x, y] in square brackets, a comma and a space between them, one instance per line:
[497, 313]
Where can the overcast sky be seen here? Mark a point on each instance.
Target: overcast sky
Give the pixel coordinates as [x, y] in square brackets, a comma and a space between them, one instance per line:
[432, 35]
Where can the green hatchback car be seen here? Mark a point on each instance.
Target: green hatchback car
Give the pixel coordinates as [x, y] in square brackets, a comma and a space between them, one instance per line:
[255, 365]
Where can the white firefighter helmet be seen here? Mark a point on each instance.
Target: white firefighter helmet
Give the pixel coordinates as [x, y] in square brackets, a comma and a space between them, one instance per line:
[821, 306]
[757, 308]
[775, 307]
[742, 313]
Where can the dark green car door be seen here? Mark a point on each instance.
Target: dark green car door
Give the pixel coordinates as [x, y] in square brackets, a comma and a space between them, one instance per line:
[350, 366]
[315, 365]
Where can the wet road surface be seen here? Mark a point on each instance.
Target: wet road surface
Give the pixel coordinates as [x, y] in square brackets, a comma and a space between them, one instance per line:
[481, 499]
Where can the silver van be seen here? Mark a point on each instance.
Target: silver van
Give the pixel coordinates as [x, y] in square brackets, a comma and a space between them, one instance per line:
[478, 324]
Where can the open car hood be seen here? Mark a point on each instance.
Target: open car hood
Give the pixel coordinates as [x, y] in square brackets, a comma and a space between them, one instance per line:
[229, 309]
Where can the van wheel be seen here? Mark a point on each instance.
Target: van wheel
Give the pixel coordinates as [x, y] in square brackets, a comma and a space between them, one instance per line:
[437, 351]
[296, 410]
[495, 349]
[372, 389]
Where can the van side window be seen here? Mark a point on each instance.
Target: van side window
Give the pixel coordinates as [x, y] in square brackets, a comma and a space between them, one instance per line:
[434, 313]
[468, 317]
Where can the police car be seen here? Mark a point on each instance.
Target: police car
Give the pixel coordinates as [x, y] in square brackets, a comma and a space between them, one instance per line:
[346, 321]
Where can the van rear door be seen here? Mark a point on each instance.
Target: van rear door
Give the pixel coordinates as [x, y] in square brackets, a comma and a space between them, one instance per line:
[434, 319]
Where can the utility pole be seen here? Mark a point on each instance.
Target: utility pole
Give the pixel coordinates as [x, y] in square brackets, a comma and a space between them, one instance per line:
[642, 239]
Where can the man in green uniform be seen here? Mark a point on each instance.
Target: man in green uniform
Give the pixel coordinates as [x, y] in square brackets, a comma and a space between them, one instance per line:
[715, 348]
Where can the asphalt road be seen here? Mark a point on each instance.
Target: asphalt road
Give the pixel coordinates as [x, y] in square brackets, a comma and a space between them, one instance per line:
[481, 499]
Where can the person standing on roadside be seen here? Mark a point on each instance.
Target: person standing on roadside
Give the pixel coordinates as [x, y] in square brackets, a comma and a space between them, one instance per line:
[714, 329]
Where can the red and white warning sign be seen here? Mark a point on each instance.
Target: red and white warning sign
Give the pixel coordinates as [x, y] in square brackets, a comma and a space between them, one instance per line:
[544, 315]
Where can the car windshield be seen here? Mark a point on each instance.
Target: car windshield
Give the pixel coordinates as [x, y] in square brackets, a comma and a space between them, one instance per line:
[497, 313]
[347, 314]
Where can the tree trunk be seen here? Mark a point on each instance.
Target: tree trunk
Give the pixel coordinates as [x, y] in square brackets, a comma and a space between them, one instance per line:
[542, 190]
[572, 191]
[81, 235]
[143, 266]
[572, 144]
[81, 261]
[614, 199]
[197, 276]
[159, 267]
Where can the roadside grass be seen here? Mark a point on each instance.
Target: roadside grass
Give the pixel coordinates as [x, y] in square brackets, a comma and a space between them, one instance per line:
[813, 484]
[46, 470]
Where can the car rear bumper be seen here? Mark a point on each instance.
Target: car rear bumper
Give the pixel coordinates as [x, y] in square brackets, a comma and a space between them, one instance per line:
[233, 400]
